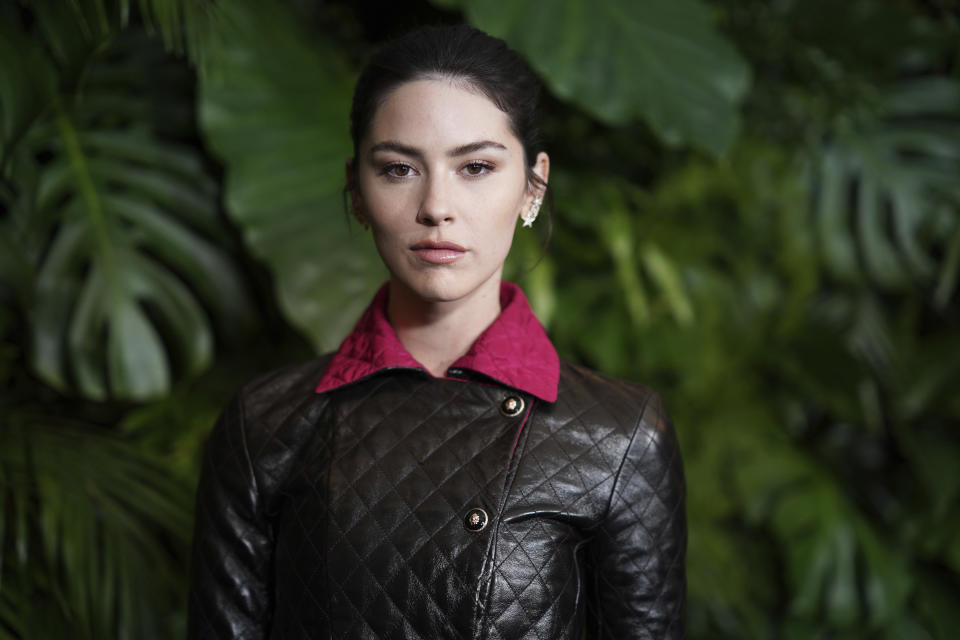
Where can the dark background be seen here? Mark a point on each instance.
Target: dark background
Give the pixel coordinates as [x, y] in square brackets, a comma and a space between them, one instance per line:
[755, 211]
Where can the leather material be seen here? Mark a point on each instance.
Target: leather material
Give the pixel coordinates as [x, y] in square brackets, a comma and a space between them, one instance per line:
[341, 515]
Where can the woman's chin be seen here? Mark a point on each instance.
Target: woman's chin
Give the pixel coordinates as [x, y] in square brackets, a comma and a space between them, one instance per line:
[435, 288]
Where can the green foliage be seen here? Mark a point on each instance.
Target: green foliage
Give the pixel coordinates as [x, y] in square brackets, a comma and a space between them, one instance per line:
[94, 528]
[897, 171]
[91, 519]
[275, 106]
[110, 271]
[182, 24]
[660, 60]
[795, 301]
[106, 219]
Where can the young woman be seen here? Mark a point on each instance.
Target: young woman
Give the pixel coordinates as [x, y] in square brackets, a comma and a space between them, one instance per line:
[443, 474]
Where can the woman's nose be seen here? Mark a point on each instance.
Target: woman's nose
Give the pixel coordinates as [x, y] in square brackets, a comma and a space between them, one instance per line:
[436, 206]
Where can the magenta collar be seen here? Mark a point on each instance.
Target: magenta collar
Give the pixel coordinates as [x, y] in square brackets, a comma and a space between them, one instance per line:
[514, 350]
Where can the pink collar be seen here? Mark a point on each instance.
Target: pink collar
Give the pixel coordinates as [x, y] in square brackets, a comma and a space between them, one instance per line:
[514, 350]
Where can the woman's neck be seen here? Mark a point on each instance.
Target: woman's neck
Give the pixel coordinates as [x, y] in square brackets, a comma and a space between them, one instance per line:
[437, 334]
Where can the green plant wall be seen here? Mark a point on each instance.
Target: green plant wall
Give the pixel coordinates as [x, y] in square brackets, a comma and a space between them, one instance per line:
[756, 210]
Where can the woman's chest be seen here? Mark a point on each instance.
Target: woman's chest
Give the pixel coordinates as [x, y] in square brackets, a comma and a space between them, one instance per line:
[414, 500]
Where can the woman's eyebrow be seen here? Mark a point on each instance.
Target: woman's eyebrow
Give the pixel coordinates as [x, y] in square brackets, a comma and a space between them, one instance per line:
[473, 147]
[462, 150]
[390, 145]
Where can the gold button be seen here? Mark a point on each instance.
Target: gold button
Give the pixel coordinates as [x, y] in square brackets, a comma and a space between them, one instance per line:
[511, 406]
[476, 520]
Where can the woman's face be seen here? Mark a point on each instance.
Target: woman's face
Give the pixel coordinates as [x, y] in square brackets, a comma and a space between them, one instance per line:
[441, 181]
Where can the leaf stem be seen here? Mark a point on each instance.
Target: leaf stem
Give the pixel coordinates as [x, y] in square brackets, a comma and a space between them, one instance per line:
[88, 191]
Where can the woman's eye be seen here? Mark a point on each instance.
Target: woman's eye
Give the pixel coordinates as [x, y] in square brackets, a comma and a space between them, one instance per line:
[398, 170]
[477, 168]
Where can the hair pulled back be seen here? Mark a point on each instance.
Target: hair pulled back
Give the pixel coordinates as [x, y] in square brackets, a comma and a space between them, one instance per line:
[460, 54]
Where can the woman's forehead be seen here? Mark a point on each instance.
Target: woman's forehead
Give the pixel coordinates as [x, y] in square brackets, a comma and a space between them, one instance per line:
[440, 113]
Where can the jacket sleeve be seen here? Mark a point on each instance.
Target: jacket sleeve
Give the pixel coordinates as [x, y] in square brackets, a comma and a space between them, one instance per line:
[638, 553]
[230, 592]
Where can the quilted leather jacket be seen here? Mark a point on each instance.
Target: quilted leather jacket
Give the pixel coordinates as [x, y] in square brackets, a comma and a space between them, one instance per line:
[520, 496]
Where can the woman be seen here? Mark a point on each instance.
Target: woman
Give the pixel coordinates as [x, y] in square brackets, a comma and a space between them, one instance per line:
[443, 474]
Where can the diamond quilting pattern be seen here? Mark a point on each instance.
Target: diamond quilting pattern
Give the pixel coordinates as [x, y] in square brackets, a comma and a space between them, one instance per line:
[340, 515]
[595, 518]
[399, 563]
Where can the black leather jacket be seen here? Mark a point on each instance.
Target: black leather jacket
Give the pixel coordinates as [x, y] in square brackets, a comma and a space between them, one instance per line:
[351, 514]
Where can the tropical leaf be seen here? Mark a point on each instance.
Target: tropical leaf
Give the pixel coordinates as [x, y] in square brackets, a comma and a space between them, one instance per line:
[108, 230]
[660, 60]
[94, 533]
[729, 569]
[182, 24]
[649, 278]
[26, 87]
[886, 192]
[838, 566]
[275, 107]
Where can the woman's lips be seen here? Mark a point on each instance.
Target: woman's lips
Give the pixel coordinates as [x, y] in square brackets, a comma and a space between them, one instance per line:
[438, 252]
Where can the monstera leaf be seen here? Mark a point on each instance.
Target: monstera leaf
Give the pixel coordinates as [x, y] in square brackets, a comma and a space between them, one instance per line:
[886, 191]
[275, 109]
[107, 237]
[659, 60]
[838, 566]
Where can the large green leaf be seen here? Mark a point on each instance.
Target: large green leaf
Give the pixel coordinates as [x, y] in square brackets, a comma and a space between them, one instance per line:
[110, 236]
[838, 566]
[886, 191]
[94, 533]
[32, 81]
[275, 109]
[660, 60]
[182, 23]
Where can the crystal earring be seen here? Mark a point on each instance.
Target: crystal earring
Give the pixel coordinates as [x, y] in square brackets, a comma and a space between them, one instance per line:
[530, 214]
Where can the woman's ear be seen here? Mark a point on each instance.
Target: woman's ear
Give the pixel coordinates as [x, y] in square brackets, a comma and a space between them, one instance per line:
[354, 194]
[542, 168]
[536, 189]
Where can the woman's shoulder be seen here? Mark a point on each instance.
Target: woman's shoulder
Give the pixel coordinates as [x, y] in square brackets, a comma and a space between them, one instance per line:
[577, 380]
[291, 382]
[266, 422]
[584, 391]
[262, 409]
